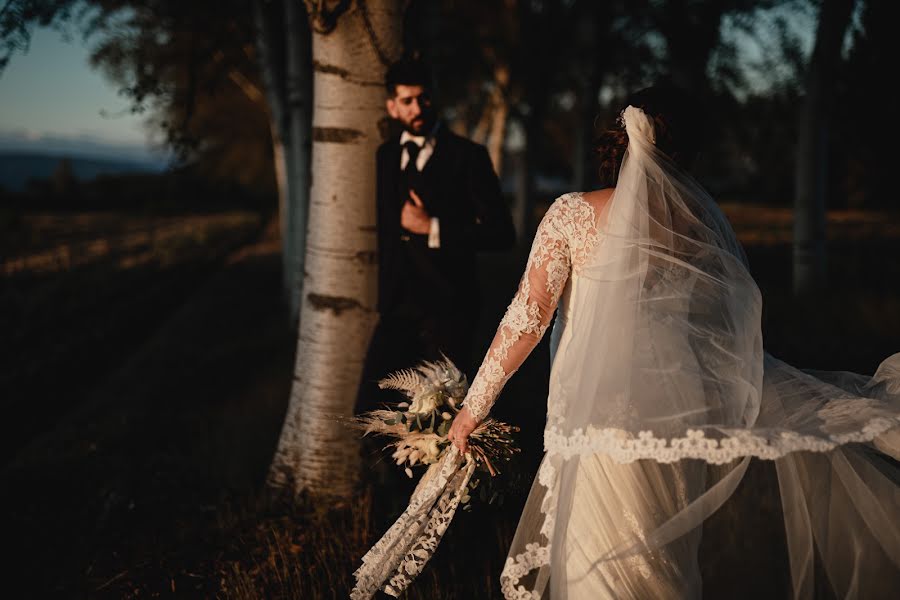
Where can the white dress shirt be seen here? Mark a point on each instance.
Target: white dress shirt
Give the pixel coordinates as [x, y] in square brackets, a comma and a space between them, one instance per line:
[426, 145]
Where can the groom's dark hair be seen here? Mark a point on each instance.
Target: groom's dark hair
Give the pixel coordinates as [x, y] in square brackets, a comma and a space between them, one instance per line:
[409, 70]
[677, 123]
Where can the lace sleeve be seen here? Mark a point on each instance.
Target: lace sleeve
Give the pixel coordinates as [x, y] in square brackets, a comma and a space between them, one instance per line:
[532, 307]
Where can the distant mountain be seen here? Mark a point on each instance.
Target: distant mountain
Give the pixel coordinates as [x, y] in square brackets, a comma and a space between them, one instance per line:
[16, 168]
[80, 146]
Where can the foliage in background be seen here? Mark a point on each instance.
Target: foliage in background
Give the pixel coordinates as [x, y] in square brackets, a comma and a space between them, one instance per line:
[567, 63]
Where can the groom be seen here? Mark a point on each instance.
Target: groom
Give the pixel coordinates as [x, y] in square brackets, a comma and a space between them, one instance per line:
[438, 202]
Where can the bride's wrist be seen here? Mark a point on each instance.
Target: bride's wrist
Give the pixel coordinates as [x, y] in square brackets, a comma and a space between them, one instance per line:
[472, 413]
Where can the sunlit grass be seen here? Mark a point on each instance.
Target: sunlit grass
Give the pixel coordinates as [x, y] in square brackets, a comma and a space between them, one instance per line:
[769, 225]
[52, 243]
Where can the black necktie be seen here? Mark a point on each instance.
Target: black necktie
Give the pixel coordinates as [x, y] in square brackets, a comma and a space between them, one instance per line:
[410, 177]
[412, 150]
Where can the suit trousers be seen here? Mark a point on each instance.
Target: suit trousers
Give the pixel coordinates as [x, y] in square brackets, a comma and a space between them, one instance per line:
[407, 335]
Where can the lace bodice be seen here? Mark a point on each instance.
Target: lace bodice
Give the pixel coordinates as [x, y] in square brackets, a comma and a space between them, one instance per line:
[563, 240]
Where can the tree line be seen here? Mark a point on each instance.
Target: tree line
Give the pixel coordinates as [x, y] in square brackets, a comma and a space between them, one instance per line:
[287, 95]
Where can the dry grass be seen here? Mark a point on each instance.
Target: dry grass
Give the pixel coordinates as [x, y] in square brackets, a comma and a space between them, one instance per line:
[47, 243]
[151, 487]
[78, 292]
[313, 552]
[758, 225]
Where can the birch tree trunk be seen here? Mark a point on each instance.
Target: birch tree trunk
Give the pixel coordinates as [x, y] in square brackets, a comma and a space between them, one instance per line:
[271, 65]
[283, 47]
[812, 149]
[497, 132]
[526, 181]
[521, 207]
[590, 36]
[299, 129]
[491, 127]
[315, 451]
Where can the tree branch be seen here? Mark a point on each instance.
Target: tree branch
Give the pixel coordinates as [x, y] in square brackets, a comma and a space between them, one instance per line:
[5, 7]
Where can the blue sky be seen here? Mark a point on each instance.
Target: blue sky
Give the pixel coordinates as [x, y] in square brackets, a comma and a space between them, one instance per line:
[50, 96]
[52, 100]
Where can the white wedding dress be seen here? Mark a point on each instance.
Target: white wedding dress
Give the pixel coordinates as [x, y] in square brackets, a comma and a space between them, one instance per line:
[660, 394]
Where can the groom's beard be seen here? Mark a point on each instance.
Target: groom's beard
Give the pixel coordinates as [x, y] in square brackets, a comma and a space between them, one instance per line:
[421, 125]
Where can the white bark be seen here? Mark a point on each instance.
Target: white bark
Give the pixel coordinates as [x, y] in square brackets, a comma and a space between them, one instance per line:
[316, 452]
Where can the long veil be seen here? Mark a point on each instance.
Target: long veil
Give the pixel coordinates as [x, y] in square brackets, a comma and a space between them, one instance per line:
[659, 370]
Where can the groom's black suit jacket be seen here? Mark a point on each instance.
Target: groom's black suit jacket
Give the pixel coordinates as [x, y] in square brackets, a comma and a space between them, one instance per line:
[459, 187]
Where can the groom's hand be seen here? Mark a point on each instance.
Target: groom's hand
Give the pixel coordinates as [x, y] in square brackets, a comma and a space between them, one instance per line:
[414, 218]
[463, 424]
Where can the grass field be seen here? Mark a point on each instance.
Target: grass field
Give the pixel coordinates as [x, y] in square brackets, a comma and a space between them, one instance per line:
[146, 369]
[78, 292]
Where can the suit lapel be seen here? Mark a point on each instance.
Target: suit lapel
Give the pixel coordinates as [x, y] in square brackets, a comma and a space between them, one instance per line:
[392, 178]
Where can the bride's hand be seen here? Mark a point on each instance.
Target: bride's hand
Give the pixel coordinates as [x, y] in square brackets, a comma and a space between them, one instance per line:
[463, 424]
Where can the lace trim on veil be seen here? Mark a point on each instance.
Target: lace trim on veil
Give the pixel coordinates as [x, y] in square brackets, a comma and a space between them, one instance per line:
[623, 447]
[402, 552]
[535, 555]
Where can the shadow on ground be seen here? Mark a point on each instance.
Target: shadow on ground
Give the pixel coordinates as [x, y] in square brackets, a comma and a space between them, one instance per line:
[148, 484]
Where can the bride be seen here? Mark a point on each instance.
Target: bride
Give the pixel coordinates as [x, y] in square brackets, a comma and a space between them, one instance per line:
[658, 371]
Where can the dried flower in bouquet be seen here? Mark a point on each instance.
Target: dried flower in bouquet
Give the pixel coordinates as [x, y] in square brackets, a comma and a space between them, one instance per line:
[435, 392]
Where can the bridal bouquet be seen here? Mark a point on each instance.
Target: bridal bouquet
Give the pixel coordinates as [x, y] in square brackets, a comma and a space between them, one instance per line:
[435, 392]
[418, 427]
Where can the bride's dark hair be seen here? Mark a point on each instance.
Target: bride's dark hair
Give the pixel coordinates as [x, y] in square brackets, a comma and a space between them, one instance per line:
[677, 122]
